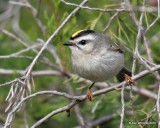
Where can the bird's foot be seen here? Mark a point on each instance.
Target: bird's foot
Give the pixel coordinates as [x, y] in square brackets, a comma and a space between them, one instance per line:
[129, 80]
[89, 95]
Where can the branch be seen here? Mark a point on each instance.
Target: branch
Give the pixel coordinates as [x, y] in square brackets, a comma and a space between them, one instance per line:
[33, 11]
[65, 108]
[12, 55]
[121, 9]
[34, 73]
[77, 99]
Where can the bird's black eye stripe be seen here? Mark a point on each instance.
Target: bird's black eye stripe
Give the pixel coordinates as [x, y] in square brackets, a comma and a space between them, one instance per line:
[82, 42]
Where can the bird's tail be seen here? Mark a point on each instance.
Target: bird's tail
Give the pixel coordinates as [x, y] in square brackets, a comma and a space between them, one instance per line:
[121, 75]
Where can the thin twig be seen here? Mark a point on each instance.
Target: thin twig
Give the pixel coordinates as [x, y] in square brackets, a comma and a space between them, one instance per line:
[123, 106]
[110, 21]
[20, 52]
[54, 112]
[121, 9]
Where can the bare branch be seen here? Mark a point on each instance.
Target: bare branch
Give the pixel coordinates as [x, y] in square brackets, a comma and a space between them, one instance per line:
[20, 52]
[75, 99]
[110, 21]
[122, 8]
[54, 112]
[123, 107]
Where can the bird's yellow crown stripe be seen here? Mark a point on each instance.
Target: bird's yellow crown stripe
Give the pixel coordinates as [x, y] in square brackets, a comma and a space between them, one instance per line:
[76, 33]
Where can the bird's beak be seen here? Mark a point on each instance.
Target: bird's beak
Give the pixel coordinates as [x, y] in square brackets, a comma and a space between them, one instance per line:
[68, 44]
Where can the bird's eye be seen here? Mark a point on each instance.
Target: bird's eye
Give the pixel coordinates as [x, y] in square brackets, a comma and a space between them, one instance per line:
[82, 42]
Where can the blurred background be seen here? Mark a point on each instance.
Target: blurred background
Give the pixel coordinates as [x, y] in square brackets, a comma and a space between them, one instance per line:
[25, 25]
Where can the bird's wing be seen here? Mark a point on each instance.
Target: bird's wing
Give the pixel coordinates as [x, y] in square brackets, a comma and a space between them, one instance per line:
[114, 47]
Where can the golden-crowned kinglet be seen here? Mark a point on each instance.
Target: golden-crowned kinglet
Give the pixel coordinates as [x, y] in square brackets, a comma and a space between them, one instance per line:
[96, 57]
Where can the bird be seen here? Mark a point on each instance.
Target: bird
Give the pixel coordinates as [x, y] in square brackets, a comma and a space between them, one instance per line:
[97, 58]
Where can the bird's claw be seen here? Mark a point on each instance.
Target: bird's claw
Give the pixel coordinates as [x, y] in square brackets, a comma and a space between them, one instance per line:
[129, 80]
[89, 95]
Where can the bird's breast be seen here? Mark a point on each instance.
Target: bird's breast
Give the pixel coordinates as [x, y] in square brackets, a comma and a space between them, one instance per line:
[98, 67]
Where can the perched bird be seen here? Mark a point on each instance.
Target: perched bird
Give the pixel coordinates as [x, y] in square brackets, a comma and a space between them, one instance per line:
[97, 58]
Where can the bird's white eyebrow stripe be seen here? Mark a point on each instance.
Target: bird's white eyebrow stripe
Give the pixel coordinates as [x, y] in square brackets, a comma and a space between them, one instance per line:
[86, 37]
